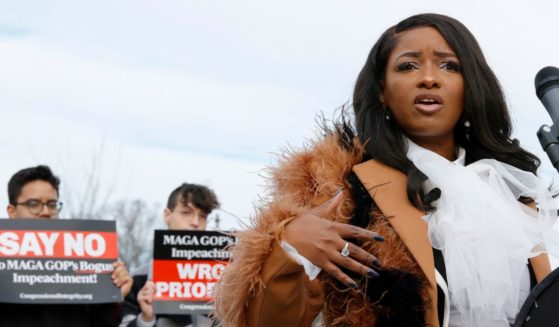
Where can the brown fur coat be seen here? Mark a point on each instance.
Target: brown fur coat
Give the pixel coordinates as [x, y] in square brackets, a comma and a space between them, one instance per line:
[306, 179]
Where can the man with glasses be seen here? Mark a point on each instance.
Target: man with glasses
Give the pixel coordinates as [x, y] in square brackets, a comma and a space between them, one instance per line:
[33, 193]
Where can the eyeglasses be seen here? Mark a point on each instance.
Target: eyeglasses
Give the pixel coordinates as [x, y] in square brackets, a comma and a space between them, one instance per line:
[36, 206]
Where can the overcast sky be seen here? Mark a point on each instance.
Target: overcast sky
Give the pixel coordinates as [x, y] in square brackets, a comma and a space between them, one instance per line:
[207, 91]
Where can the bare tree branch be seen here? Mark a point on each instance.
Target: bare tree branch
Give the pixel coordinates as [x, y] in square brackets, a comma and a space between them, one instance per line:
[135, 223]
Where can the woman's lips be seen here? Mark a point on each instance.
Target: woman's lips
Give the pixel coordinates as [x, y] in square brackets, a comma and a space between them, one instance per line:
[428, 108]
[428, 103]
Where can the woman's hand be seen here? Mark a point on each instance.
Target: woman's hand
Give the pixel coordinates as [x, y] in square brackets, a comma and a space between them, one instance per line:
[321, 241]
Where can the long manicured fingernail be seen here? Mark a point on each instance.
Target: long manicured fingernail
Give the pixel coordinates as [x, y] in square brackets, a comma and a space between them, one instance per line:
[338, 191]
[378, 238]
[371, 273]
[376, 263]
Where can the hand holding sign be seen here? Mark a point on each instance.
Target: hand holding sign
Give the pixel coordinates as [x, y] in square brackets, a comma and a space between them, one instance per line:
[121, 278]
[145, 300]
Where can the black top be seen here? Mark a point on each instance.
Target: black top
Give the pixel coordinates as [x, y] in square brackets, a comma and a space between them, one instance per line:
[441, 268]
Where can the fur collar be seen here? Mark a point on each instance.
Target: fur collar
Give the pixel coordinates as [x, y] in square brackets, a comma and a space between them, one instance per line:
[302, 180]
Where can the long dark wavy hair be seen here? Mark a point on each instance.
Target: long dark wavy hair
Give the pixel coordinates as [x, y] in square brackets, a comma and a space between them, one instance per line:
[484, 106]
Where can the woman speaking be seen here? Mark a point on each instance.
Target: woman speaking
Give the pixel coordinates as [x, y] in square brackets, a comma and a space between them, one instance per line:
[420, 213]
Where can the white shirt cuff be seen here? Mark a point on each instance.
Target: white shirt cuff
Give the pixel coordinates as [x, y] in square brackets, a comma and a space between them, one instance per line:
[310, 269]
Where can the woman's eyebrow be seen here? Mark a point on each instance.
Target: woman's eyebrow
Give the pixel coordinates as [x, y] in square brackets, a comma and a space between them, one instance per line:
[413, 54]
[417, 54]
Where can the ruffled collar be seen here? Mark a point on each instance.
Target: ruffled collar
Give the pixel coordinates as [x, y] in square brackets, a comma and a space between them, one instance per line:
[486, 235]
